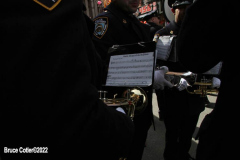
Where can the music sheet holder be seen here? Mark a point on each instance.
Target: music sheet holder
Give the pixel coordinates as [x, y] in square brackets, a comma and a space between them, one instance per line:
[131, 65]
[166, 48]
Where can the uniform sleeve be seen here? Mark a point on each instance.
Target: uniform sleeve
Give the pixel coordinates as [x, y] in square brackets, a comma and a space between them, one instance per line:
[103, 36]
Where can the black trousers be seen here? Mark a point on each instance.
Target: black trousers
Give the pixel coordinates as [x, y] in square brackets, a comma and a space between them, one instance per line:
[142, 124]
[178, 136]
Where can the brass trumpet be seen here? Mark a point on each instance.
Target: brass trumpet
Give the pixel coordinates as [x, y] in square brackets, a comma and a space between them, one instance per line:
[134, 101]
[204, 87]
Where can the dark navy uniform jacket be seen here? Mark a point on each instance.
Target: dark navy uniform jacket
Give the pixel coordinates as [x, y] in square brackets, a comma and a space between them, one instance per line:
[177, 101]
[153, 28]
[118, 29]
[171, 29]
[47, 86]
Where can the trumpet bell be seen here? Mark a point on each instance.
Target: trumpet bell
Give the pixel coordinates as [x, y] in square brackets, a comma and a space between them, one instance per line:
[134, 101]
[138, 97]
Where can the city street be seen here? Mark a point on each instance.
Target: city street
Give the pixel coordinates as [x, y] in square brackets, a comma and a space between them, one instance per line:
[155, 141]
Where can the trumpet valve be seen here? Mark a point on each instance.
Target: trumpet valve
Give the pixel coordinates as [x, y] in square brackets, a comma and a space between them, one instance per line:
[102, 95]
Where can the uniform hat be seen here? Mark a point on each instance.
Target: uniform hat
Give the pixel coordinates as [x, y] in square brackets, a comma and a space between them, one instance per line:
[175, 3]
[149, 15]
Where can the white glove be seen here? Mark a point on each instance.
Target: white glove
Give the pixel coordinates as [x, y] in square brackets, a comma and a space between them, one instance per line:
[119, 109]
[164, 69]
[216, 82]
[182, 84]
[159, 80]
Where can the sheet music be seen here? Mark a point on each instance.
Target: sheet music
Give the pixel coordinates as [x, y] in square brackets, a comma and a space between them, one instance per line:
[164, 47]
[131, 70]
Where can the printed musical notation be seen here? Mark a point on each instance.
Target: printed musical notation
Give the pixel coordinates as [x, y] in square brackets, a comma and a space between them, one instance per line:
[136, 77]
[131, 70]
[131, 61]
[132, 66]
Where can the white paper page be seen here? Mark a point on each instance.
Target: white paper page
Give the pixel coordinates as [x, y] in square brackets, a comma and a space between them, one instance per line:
[131, 70]
[163, 47]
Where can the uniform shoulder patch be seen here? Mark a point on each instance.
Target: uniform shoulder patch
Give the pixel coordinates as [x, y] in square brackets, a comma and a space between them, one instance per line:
[101, 26]
[48, 4]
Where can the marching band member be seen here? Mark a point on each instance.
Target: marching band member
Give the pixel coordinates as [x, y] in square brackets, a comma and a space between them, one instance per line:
[180, 110]
[118, 26]
[201, 44]
[152, 19]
